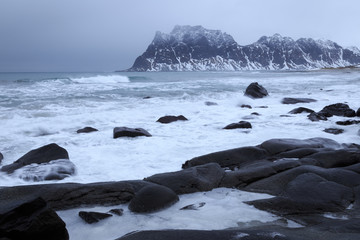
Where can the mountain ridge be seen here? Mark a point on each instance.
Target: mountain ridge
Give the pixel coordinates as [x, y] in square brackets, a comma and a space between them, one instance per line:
[195, 48]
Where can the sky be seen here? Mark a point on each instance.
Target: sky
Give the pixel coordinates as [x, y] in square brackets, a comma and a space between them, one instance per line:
[108, 35]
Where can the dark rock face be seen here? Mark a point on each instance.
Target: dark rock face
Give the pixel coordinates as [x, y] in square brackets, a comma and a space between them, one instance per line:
[334, 131]
[338, 109]
[194, 48]
[194, 179]
[152, 198]
[169, 119]
[297, 100]
[93, 217]
[255, 90]
[87, 130]
[241, 124]
[130, 132]
[301, 110]
[40, 155]
[32, 220]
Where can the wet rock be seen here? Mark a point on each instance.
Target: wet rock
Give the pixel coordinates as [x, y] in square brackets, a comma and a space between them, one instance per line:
[255, 90]
[147, 97]
[255, 114]
[170, 119]
[87, 130]
[245, 106]
[358, 112]
[338, 109]
[347, 122]
[241, 124]
[315, 117]
[117, 211]
[301, 110]
[40, 155]
[93, 217]
[210, 103]
[152, 198]
[194, 179]
[130, 132]
[297, 100]
[194, 206]
[334, 131]
[32, 220]
[1, 157]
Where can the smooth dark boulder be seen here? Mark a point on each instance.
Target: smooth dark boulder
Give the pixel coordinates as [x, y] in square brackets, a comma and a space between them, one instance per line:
[40, 155]
[255, 90]
[170, 119]
[241, 124]
[338, 109]
[301, 110]
[152, 198]
[194, 179]
[32, 220]
[297, 100]
[229, 158]
[334, 131]
[87, 130]
[315, 117]
[130, 132]
[93, 217]
[347, 122]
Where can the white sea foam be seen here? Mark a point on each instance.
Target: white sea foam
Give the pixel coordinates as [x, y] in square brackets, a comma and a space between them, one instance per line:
[109, 79]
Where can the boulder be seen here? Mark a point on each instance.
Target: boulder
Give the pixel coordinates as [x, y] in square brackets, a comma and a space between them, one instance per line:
[152, 198]
[87, 130]
[358, 112]
[241, 124]
[117, 211]
[207, 103]
[130, 132]
[169, 119]
[297, 100]
[194, 206]
[334, 131]
[40, 155]
[338, 109]
[194, 179]
[255, 90]
[1, 157]
[315, 117]
[301, 110]
[93, 217]
[32, 220]
[347, 122]
[245, 106]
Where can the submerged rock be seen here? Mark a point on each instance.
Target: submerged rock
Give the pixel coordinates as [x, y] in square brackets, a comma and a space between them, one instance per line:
[245, 106]
[347, 122]
[334, 130]
[241, 124]
[169, 119]
[301, 110]
[194, 206]
[87, 130]
[93, 217]
[208, 103]
[130, 132]
[297, 100]
[40, 155]
[315, 117]
[255, 90]
[152, 198]
[32, 220]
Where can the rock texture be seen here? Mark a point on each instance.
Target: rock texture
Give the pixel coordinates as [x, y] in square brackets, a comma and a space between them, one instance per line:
[194, 48]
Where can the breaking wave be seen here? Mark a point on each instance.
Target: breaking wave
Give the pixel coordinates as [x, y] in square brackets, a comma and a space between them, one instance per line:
[111, 79]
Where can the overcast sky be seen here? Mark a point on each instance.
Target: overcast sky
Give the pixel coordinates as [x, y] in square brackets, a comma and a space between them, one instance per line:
[107, 35]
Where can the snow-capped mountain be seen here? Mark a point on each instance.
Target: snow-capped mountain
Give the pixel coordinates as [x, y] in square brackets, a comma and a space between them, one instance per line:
[194, 48]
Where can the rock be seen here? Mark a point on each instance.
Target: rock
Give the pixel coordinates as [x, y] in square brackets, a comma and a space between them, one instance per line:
[93, 217]
[347, 122]
[256, 114]
[245, 106]
[169, 119]
[334, 131]
[229, 158]
[1, 157]
[210, 103]
[147, 97]
[338, 109]
[315, 117]
[297, 100]
[301, 110]
[194, 179]
[130, 132]
[40, 155]
[87, 130]
[152, 198]
[32, 220]
[255, 90]
[195, 206]
[117, 211]
[241, 124]
[358, 112]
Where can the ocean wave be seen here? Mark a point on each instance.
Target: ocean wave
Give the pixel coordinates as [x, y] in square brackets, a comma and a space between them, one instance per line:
[111, 79]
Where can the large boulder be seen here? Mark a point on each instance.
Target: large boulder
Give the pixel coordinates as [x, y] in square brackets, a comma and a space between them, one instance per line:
[40, 155]
[338, 109]
[255, 90]
[241, 124]
[169, 119]
[32, 220]
[195, 179]
[297, 100]
[152, 198]
[130, 132]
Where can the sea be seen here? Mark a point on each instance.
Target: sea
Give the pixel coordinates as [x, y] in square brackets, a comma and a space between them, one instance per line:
[41, 108]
